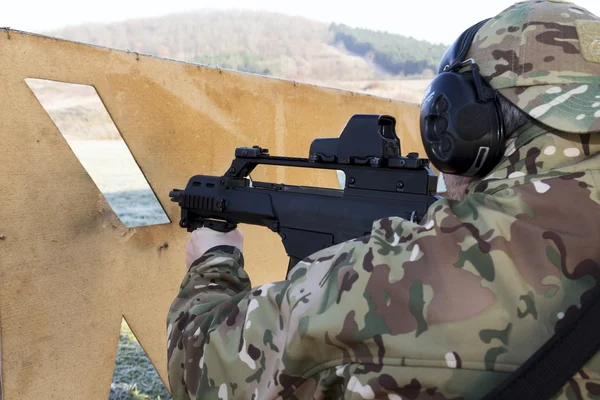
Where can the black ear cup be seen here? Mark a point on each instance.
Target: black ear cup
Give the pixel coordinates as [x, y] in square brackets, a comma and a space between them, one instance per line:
[436, 128]
[461, 133]
[461, 120]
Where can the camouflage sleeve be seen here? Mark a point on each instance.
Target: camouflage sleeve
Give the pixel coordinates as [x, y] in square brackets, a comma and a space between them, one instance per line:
[211, 289]
[228, 340]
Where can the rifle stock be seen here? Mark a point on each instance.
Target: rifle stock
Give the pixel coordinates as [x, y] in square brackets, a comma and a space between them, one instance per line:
[379, 183]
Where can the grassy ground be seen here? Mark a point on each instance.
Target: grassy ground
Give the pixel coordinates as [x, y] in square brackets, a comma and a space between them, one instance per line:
[135, 377]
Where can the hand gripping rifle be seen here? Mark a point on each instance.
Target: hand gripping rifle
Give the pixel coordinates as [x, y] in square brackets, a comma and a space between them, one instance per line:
[379, 183]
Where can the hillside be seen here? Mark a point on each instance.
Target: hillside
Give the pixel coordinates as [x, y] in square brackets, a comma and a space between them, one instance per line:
[270, 44]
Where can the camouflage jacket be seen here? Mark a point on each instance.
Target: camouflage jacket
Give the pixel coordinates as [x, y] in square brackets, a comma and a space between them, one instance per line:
[444, 309]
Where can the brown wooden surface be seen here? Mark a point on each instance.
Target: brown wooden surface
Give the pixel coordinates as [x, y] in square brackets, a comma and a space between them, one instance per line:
[69, 270]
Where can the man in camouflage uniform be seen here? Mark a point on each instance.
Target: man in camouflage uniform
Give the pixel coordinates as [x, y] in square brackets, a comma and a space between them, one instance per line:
[444, 309]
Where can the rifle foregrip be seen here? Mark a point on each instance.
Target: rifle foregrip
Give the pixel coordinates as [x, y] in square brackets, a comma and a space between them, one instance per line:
[220, 226]
[205, 203]
[197, 223]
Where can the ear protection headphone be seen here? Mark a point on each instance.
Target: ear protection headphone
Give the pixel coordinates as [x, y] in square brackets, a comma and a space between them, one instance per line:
[461, 120]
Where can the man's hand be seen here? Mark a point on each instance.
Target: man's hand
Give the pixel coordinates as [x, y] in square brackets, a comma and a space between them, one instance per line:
[204, 239]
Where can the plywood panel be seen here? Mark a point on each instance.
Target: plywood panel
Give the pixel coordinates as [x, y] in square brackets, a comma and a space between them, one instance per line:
[68, 268]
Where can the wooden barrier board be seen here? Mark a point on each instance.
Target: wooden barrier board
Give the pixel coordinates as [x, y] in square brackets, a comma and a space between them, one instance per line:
[69, 268]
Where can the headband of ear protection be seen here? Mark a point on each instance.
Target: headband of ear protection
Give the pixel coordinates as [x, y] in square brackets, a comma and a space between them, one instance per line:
[461, 120]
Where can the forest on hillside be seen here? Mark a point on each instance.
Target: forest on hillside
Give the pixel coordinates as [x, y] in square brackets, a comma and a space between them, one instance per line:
[265, 43]
[397, 54]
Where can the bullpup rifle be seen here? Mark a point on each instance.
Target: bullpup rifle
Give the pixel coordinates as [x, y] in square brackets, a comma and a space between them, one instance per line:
[379, 183]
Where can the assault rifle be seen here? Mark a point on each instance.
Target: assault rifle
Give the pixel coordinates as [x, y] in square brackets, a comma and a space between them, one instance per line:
[379, 183]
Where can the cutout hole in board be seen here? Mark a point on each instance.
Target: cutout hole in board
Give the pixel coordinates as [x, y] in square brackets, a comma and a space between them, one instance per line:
[81, 117]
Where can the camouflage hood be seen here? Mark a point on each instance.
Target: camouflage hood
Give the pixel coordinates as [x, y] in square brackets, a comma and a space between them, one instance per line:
[535, 152]
[544, 56]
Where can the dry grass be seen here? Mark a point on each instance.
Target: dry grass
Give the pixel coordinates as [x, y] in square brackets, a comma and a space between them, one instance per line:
[75, 109]
[409, 90]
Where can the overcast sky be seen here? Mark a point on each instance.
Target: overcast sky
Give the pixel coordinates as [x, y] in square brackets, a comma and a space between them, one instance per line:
[433, 20]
